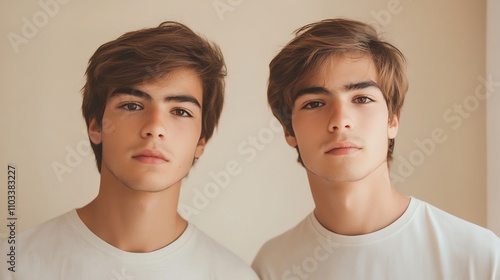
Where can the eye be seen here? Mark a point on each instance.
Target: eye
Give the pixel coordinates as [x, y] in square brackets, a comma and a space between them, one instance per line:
[131, 107]
[181, 113]
[363, 99]
[313, 104]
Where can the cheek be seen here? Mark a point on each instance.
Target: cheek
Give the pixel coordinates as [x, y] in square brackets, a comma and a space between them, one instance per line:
[112, 129]
[374, 127]
[184, 134]
[111, 122]
[108, 126]
[307, 123]
[302, 136]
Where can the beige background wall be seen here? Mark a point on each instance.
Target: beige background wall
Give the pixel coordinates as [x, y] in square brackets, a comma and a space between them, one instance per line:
[266, 192]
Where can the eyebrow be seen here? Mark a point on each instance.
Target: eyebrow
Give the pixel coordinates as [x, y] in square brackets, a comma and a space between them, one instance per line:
[141, 94]
[348, 87]
[361, 85]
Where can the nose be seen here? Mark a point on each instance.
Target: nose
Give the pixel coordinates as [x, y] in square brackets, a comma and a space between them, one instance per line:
[154, 124]
[339, 117]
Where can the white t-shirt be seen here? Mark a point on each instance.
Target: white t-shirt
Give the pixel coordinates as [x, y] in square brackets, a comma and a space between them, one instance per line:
[64, 248]
[424, 243]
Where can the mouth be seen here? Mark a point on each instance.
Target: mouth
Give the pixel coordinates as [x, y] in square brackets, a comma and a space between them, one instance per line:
[150, 157]
[342, 148]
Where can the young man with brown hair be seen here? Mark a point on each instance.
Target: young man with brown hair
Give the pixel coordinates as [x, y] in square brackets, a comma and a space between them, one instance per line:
[338, 89]
[151, 102]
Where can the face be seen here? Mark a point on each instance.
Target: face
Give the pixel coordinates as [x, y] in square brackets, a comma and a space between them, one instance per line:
[340, 120]
[150, 133]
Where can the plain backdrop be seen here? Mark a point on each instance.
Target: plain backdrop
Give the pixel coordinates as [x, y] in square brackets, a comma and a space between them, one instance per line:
[247, 187]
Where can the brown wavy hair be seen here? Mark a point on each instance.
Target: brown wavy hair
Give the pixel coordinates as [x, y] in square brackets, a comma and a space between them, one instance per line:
[146, 55]
[316, 42]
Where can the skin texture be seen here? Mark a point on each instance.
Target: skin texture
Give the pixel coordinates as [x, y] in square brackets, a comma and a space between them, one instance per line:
[341, 128]
[150, 136]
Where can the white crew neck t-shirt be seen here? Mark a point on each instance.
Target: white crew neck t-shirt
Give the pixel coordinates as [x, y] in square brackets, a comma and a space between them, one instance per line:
[64, 248]
[425, 243]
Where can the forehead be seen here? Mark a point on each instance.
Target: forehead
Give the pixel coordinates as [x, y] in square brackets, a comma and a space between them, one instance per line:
[336, 71]
[181, 81]
[182, 78]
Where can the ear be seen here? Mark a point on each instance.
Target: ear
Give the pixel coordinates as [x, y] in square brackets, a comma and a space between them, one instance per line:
[290, 139]
[200, 147]
[392, 129]
[95, 133]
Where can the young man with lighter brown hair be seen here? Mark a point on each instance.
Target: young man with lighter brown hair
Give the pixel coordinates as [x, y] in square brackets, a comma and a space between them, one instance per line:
[338, 89]
[151, 102]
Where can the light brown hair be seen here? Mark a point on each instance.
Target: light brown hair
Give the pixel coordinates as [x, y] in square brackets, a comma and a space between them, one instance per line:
[145, 55]
[316, 42]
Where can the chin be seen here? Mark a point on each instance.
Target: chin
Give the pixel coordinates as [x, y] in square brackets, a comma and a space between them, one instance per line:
[149, 189]
[341, 176]
[149, 186]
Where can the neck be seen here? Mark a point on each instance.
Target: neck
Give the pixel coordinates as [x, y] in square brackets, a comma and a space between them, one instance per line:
[359, 207]
[134, 221]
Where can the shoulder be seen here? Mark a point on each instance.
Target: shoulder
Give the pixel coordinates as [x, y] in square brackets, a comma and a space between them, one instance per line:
[470, 247]
[448, 223]
[224, 264]
[297, 233]
[459, 234]
[45, 234]
[285, 248]
[36, 246]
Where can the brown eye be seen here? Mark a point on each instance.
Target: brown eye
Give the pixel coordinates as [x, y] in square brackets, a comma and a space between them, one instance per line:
[131, 107]
[181, 113]
[313, 104]
[363, 99]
